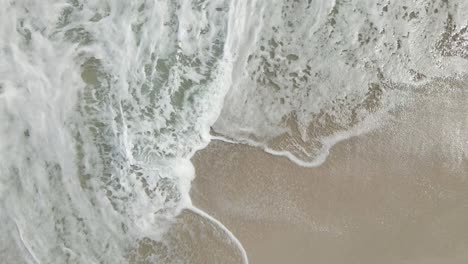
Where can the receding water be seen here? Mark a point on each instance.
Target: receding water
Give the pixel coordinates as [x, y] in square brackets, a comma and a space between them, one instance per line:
[103, 103]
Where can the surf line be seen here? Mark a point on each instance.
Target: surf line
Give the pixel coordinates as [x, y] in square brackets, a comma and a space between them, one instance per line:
[233, 238]
[25, 245]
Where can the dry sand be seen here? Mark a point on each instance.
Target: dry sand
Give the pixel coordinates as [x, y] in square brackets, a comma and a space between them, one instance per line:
[397, 195]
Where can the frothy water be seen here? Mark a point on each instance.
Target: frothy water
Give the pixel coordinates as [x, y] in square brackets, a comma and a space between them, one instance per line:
[103, 103]
[317, 72]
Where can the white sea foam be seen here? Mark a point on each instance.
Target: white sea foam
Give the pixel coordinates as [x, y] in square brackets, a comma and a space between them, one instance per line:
[102, 103]
[317, 70]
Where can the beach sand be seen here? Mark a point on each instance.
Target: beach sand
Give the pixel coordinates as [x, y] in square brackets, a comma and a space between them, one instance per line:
[191, 239]
[395, 195]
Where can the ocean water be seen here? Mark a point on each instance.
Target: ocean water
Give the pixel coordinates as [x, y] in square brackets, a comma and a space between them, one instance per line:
[103, 103]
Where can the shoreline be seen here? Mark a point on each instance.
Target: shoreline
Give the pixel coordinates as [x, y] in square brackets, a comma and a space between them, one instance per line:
[395, 195]
[269, 225]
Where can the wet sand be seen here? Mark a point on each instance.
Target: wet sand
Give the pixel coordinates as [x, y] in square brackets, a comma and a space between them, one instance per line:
[397, 195]
[191, 239]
